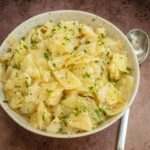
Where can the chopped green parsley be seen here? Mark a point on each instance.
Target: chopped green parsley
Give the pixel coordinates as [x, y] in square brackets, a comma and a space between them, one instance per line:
[86, 75]
[49, 91]
[46, 56]
[26, 83]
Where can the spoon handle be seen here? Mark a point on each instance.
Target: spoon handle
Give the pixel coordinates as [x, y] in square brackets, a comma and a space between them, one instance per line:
[123, 131]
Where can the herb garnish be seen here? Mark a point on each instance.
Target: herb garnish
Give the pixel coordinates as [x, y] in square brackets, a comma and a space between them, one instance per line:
[25, 46]
[54, 65]
[67, 39]
[23, 38]
[58, 25]
[128, 69]
[87, 42]
[75, 48]
[79, 29]
[65, 121]
[44, 29]
[43, 117]
[93, 19]
[101, 43]
[17, 66]
[33, 41]
[46, 56]
[49, 91]
[93, 87]
[26, 83]
[96, 61]
[86, 75]
[100, 114]
[17, 86]
[63, 97]
[107, 53]
[76, 111]
[53, 30]
[65, 27]
[17, 51]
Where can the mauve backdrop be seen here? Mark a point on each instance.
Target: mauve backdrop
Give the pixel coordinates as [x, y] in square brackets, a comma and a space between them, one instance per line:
[126, 15]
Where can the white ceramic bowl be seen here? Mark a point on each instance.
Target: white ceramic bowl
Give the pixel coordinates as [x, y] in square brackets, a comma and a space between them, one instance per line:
[82, 17]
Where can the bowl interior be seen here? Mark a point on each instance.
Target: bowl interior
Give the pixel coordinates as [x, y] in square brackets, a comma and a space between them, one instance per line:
[81, 17]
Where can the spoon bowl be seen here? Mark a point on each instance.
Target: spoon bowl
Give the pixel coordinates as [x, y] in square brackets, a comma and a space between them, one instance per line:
[140, 42]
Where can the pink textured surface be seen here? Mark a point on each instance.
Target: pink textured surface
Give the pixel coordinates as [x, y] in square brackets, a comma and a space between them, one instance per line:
[126, 15]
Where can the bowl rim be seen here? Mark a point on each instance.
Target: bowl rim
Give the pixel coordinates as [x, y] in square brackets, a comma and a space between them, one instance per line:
[98, 129]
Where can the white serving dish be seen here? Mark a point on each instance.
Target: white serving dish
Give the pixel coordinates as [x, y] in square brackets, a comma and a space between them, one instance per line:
[82, 17]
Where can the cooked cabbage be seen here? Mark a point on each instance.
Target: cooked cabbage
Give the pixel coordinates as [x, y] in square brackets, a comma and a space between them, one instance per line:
[66, 77]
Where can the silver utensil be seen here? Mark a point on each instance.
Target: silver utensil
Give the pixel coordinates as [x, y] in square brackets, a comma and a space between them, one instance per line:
[140, 42]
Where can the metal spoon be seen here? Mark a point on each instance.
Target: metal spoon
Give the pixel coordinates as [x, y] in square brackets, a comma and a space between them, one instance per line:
[140, 42]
